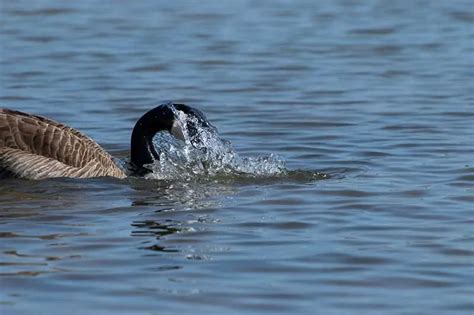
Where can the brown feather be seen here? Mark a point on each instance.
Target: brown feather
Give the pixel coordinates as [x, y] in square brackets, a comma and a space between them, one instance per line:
[36, 147]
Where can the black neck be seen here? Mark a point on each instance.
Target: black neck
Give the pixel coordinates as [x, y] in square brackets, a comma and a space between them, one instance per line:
[142, 150]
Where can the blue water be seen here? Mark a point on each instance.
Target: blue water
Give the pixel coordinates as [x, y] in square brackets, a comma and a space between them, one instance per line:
[378, 95]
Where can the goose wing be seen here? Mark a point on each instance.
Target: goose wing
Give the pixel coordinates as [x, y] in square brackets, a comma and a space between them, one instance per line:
[36, 147]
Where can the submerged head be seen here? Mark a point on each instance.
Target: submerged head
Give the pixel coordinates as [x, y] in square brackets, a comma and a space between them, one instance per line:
[162, 118]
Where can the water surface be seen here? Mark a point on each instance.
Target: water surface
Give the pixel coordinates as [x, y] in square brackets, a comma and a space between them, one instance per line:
[376, 94]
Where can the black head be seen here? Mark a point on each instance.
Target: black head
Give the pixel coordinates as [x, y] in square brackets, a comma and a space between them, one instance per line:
[161, 118]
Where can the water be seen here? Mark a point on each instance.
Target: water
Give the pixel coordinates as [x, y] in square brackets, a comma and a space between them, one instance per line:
[378, 95]
[203, 154]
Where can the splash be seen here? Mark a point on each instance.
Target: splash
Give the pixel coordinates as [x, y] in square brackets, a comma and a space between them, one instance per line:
[204, 154]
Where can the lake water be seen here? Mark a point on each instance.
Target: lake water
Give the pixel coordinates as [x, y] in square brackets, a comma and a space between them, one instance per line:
[378, 95]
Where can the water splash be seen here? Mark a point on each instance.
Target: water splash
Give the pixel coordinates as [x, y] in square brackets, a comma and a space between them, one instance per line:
[204, 154]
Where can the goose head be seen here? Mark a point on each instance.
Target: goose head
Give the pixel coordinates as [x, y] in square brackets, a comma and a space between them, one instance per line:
[162, 118]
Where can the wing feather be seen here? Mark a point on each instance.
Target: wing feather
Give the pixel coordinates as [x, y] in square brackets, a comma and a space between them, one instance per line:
[36, 147]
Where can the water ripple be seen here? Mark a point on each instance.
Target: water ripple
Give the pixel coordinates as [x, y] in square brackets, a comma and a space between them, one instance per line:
[369, 103]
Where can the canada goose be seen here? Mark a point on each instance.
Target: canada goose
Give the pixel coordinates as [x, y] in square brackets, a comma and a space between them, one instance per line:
[36, 147]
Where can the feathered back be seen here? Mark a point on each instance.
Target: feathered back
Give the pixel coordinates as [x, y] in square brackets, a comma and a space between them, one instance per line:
[36, 147]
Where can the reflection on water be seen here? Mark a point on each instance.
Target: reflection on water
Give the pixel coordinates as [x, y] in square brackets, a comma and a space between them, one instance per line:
[173, 205]
[155, 229]
[186, 195]
[369, 103]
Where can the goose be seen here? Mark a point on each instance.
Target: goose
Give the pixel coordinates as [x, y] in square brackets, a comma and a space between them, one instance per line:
[35, 147]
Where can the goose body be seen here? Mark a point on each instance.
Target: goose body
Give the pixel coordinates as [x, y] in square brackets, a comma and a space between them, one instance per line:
[36, 147]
